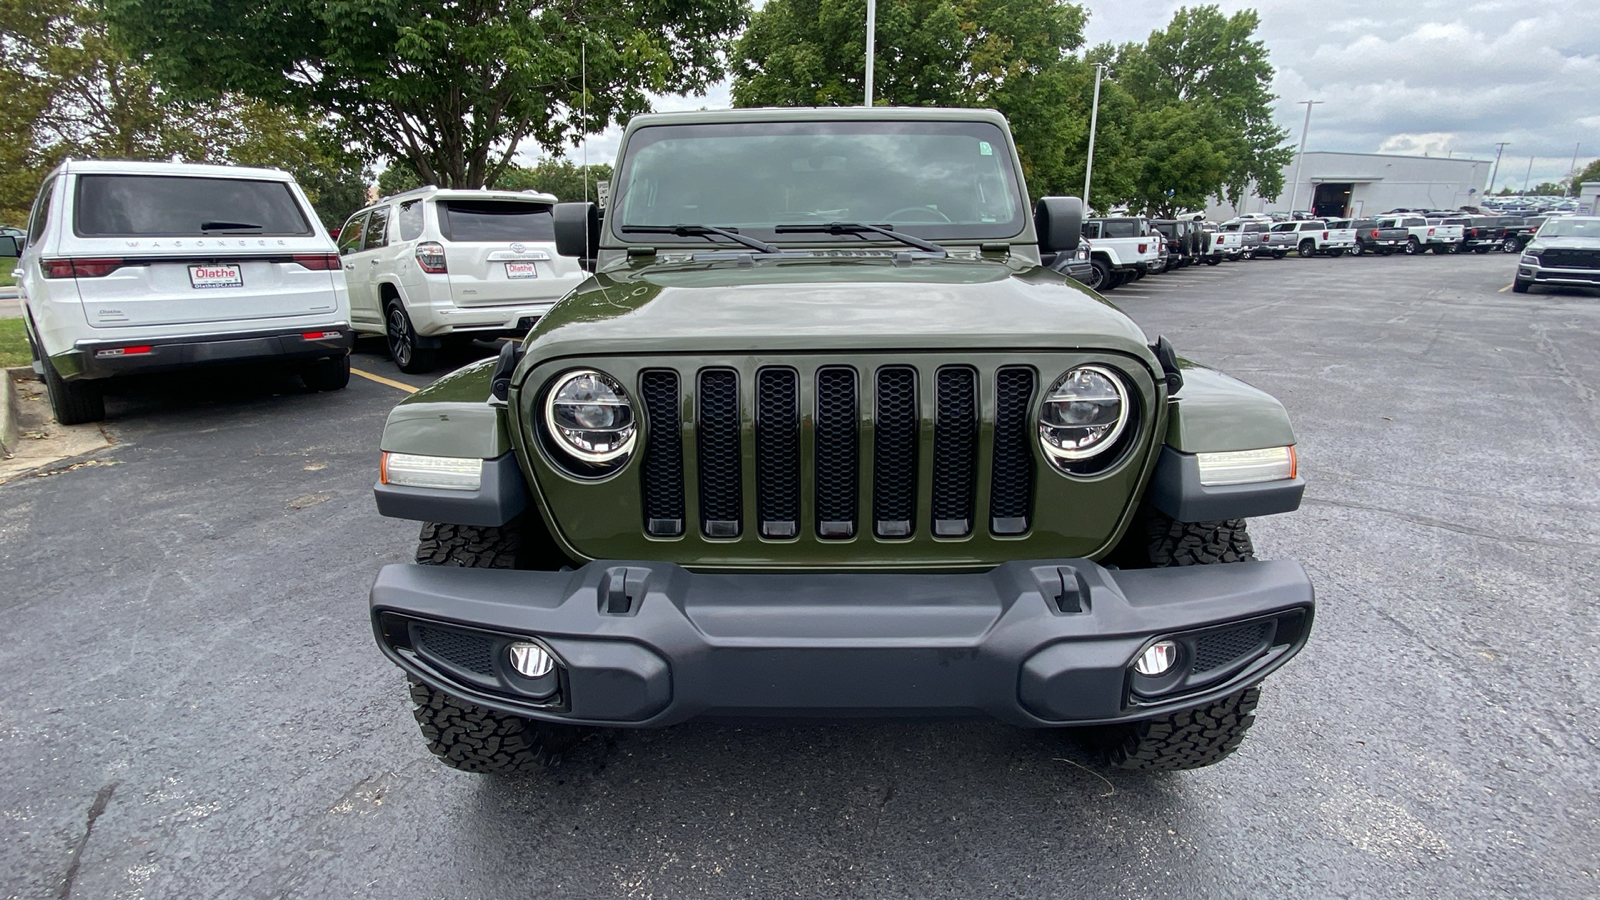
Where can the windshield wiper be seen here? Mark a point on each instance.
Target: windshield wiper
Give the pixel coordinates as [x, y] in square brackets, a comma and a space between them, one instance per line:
[862, 228]
[705, 231]
[228, 226]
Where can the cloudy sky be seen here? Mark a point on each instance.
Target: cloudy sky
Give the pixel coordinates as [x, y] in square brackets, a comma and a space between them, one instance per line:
[1400, 76]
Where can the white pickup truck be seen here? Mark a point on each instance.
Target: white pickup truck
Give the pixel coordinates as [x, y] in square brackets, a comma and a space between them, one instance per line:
[1309, 238]
[1124, 248]
[1240, 238]
[1421, 233]
[1448, 234]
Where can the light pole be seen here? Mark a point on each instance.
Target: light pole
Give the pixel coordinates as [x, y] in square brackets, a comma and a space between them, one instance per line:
[1094, 120]
[1495, 172]
[1572, 173]
[1294, 195]
[872, 43]
[1527, 177]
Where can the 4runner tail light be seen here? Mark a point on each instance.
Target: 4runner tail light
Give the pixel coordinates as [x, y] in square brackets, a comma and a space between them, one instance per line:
[319, 262]
[80, 268]
[430, 257]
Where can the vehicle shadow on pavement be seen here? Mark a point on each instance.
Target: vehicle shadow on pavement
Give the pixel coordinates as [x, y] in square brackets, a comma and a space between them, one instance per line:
[864, 804]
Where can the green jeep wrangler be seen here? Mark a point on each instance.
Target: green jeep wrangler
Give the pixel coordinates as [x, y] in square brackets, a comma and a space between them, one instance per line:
[820, 436]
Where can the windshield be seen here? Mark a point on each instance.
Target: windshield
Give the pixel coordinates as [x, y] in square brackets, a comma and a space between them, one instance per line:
[162, 205]
[937, 180]
[1589, 228]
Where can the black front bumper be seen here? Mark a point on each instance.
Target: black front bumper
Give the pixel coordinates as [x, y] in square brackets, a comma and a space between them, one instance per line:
[101, 359]
[646, 644]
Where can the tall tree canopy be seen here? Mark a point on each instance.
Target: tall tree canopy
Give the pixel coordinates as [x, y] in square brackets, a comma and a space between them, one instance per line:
[1212, 63]
[1013, 55]
[450, 88]
[1184, 116]
[67, 89]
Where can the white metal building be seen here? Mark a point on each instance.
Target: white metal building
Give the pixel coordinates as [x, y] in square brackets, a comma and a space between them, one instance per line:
[1355, 184]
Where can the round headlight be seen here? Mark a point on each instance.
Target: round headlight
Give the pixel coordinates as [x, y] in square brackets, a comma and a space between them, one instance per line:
[1084, 414]
[591, 417]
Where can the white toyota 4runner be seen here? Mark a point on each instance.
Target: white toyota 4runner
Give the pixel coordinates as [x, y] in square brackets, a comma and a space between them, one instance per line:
[132, 267]
[430, 264]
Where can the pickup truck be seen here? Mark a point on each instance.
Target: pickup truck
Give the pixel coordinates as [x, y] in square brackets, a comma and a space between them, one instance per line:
[1519, 232]
[1484, 233]
[1448, 233]
[1240, 238]
[1308, 238]
[1124, 248]
[1373, 236]
[1418, 232]
[1341, 237]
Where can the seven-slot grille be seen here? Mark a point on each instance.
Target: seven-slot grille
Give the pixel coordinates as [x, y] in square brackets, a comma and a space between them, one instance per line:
[828, 464]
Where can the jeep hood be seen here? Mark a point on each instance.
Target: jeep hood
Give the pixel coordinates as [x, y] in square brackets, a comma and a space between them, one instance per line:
[864, 304]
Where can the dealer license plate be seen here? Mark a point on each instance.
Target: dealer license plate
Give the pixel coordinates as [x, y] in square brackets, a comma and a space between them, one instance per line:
[521, 270]
[205, 277]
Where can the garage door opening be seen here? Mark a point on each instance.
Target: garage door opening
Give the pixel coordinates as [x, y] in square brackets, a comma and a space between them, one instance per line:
[1332, 200]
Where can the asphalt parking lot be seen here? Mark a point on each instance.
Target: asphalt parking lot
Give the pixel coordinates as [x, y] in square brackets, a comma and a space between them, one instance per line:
[194, 707]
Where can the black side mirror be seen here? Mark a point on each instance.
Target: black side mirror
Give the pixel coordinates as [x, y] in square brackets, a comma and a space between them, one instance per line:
[577, 227]
[1059, 221]
[10, 247]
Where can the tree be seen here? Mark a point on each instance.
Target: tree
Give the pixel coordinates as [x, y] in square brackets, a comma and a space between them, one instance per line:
[67, 90]
[1591, 172]
[1203, 59]
[1012, 55]
[450, 88]
[551, 176]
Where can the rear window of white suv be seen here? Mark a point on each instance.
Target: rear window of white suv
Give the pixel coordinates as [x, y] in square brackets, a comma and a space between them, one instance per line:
[495, 221]
[182, 206]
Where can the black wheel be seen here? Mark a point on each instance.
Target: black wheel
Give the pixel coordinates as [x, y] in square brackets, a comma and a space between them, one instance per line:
[72, 402]
[1100, 276]
[1413, 246]
[1280, 254]
[403, 342]
[1358, 249]
[1511, 245]
[1213, 260]
[1190, 738]
[329, 374]
[1308, 249]
[1336, 252]
[1385, 252]
[1480, 249]
[1520, 286]
[474, 738]
[464, 735]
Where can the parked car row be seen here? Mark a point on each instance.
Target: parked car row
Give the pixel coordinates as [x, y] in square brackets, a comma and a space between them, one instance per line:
[135, 267]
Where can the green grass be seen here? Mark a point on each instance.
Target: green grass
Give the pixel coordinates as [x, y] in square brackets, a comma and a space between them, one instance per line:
[5, 273]
[13, 344]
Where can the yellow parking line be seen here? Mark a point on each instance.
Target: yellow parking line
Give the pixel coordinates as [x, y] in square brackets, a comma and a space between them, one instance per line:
[382, 380]
[1504, 289]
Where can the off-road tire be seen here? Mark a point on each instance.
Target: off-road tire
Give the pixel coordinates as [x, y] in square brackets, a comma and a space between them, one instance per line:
[1520, 286]
[402, 340]
[1189, 739]
[72, 402]
[476, 739]
[462, 734]
[327, 374]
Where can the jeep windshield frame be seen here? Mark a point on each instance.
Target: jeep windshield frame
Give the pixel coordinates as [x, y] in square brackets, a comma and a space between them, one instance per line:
[940, 180]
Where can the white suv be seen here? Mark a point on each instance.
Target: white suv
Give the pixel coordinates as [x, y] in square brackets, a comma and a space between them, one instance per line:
[140, 267]
[432, 263]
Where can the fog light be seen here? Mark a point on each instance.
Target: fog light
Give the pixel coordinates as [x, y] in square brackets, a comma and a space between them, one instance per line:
[531, 660]
[1157, 659]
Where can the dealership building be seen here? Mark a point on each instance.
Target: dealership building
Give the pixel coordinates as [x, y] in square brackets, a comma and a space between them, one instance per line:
[1355, 184]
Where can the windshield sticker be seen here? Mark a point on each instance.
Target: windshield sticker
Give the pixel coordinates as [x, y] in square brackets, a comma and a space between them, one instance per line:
[984, 149]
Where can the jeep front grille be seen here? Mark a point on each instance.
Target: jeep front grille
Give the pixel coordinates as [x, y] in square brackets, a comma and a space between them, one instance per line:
[793, 451]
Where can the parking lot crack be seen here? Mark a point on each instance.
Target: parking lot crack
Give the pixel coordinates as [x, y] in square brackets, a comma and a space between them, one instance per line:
[96, 809]
[1428, 522]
